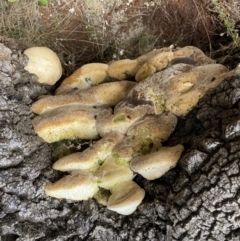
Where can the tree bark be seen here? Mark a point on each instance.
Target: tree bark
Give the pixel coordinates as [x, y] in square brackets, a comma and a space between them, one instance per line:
[203, 203]
[198, 200]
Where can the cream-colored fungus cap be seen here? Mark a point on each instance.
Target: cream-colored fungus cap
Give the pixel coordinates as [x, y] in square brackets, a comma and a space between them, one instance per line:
[125, 198]
[44, 63]
[158, 127]
[126, 112]
[80, 186]
[145, 71]
[123, 69]
[69, 122]
[155, 89]
[202, 79]
[127, 148]
[84, 77]
[195, 53]
[149, 55]
[156, 164]
[163, 59]
[103, 94]
[91, 157]
[112, 173]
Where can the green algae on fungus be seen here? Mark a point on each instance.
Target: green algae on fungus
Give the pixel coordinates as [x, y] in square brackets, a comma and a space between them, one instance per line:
[159, 103]
[119, 119]
[111, 174]
[120, 161]
[144, 147]
[102, 196]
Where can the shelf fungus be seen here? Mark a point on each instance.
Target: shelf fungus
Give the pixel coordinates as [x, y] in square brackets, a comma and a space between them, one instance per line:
[154, 165]
[92, 157]
[130, 121]
[44, 63]
[78, 186]
[83, 78]
[125, 198]
[108, 94]
[69, 122]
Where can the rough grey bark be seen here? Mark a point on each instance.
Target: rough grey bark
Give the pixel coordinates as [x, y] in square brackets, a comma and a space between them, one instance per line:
[198, 200]
[203, 203]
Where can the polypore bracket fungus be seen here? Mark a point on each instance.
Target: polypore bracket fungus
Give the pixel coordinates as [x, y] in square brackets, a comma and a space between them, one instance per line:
[83, 78]
[108, 94]
[112, 173]
[92, 157]
[78, 186]
[73, 122]
[125, 198]
[156, 164]
[44, 63]
[144, 116]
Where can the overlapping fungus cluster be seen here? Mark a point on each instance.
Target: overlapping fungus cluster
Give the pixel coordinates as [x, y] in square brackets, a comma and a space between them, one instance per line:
[130, 108]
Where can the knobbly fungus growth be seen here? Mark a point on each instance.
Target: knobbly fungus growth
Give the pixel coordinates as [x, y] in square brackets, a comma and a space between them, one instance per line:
[154, 165]
[84, 77]
[44, 63]
[129, 138]
[125, 198]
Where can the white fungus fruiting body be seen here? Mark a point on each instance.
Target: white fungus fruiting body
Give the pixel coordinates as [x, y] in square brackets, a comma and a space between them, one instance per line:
[103, 94]
[156, 127]
[144, 116]
[156, 164]
[91, 158]
[112, 173]
[83, 78]
[44, 63]
[123, 69]
[69, 123]
[79, 186]
[125, 198]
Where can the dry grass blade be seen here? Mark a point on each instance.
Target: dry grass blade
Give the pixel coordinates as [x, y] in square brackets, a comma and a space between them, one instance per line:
[101, 31]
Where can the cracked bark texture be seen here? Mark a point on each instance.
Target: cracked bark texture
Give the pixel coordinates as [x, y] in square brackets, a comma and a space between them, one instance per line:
[203, 203]
[198, 200]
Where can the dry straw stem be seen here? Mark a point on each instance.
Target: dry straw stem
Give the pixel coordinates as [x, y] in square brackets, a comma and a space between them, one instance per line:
[183, 22]
[87, 31]
[19, 19]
